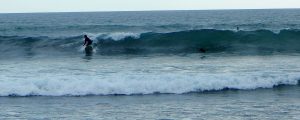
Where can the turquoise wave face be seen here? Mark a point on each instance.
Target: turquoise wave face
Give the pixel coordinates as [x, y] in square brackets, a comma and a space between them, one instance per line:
[193, 41]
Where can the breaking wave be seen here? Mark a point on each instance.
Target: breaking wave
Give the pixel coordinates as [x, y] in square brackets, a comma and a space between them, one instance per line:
[259, 41]
[135, 84]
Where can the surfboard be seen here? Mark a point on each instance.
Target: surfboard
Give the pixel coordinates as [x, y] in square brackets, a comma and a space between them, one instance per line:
[89, 50]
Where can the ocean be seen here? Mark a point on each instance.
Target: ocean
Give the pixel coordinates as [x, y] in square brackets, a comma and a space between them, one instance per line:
[164, 65]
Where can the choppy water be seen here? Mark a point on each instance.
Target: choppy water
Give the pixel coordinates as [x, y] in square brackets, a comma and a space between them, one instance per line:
[279, 103]
[151, 61]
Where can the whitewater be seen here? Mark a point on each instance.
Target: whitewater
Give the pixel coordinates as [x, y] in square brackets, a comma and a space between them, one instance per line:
[129, 75]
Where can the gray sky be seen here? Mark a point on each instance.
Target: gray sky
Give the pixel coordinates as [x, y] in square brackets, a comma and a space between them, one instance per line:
[13, 6]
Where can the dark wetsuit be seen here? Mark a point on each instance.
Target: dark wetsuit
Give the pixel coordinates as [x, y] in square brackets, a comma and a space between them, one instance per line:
[88, 41]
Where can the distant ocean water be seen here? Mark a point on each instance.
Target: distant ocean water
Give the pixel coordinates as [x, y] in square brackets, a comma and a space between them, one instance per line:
[155, 53]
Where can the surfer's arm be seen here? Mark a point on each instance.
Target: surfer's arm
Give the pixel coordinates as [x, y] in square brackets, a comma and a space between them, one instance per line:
[84, 43]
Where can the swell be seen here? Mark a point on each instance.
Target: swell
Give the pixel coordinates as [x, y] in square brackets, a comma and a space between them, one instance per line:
[213, 41]
[210, 40]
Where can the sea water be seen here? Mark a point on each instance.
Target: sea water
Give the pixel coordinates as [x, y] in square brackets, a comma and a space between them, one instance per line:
[148, 65]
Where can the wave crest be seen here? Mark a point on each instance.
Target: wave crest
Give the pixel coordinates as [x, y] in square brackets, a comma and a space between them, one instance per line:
[259, 41]
[135, 84]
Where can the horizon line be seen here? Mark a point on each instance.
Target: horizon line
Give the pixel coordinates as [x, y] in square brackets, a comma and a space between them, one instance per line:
[148, 10]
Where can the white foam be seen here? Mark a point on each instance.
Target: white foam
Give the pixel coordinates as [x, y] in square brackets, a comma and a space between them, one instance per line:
[105, 76]
[135, 84]
[122, 35]
[114, 36]
[82, 49]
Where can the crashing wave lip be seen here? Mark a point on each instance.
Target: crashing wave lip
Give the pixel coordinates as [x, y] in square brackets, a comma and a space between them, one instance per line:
[279, 86]
[220, 88]
[114, 36]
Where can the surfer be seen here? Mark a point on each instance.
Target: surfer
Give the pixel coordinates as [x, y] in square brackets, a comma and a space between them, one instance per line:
[87, 41]
[88, 45]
